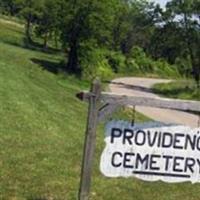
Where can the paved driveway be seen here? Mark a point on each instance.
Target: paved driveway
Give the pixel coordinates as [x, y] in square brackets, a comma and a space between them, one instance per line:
[141, 87]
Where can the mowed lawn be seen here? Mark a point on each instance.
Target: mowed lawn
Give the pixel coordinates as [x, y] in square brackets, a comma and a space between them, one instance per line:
[42, 133]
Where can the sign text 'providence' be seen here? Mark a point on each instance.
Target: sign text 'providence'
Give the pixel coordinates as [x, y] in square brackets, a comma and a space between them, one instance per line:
[151, 152]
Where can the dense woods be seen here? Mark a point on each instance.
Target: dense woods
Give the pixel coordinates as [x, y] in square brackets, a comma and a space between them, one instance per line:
[116, 36]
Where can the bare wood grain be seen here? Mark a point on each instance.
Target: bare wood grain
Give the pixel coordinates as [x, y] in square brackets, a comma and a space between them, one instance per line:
[184, 105]
[90, 140]
[107, 111]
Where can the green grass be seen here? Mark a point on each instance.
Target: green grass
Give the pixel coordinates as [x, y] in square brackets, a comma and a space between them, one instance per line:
[11, 19]
[185, 89]
[42, 132]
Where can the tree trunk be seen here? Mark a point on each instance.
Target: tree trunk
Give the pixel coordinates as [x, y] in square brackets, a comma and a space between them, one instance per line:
[12, 10]
[28, 31]
[56, 40]
[73, 65]
[45, 45]
[196, 72]
[116, 36]
[195, 63]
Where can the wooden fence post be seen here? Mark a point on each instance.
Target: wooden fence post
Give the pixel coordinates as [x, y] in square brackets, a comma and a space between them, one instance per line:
[90, 141]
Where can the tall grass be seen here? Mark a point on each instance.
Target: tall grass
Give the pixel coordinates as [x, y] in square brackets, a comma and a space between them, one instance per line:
[185, 89]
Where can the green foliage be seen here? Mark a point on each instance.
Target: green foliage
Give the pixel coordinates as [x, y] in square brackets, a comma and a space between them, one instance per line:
[135, 34]
[183, 34]
[132, 67]
[30, 10]
[94, 62]
[47, 25]
[139, 62]
[180, 89]
[30, 13]
[142, 60]
[184, 66]
[135, 25]
[10, 7]
[117, 61]
[87, 20]
[166, 70]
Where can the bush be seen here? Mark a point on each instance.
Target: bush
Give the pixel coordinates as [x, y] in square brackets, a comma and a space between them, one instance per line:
[164, 69]
[103, 63]
[138, 61]
[132, 66]
[184, 66]
[141, 59]
[94, 62]
[117, 61]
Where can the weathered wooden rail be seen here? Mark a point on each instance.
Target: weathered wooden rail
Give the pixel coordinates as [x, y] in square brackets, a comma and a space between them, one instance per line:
[112, 101]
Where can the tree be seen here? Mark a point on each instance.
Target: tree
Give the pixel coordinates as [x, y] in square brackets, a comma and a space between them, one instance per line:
[47, 23]
[92, 31]
[86, 20]
[30, 12]
[187, 14]
[166, 42]
[121, 24]
[141, 19]
[11, 7]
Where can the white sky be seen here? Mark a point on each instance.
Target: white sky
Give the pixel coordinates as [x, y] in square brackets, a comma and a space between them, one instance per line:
[161, 2]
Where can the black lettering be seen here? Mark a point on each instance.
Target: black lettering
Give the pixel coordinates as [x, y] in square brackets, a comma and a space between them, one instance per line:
[198, 144]
[159, 140]
[142, 136]
[128, 135]
[167, 162]
[113, 159]
[189, 164]
[176, 164]
[152, 140]
[115, 133]
[140, 160]
[127, 160]
[166, 143]
[177, 141]
[153, 162]
[198, 162]
[188, 140]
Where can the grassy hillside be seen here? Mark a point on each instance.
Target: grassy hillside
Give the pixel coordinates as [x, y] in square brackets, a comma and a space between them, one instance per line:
[185, 89]
[42, 132]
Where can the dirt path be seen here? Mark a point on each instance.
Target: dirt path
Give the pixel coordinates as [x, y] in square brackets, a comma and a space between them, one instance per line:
[141, 87]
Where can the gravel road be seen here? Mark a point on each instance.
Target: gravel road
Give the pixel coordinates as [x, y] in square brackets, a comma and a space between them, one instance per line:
[142, 87]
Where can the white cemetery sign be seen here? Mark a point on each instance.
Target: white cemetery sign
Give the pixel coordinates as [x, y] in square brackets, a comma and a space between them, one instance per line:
[151, 152]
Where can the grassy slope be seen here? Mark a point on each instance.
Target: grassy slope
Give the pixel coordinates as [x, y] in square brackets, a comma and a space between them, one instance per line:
[180, 89]
[42, 132]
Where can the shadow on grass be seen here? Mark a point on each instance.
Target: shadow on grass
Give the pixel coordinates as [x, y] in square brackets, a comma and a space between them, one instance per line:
[53, 67]
[39, 47]
[34, 46]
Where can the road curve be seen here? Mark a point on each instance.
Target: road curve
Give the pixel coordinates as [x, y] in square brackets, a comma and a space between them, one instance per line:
[142, 87]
